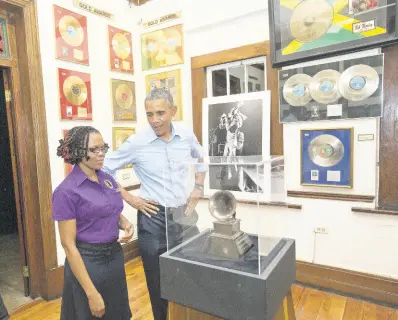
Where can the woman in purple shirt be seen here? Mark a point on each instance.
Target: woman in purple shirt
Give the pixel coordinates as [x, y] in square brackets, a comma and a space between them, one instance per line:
[88, 206]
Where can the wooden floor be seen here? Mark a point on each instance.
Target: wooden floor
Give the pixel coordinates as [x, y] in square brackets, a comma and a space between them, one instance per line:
[309, 303]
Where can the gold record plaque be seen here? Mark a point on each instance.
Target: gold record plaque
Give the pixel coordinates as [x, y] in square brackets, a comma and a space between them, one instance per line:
[71, 36]
[120, 50]
[162, 48]
[123, 100]
[75, 95]
[170, 80]
[121, 134]
[306, 30]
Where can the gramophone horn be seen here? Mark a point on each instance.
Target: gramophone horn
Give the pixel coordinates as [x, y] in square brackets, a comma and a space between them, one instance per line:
[222, 205]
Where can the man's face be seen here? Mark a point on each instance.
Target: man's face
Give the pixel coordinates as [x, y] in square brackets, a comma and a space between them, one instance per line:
[159, 115]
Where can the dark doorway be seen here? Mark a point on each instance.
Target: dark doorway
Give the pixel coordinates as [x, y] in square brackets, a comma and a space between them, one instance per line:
[13, 284]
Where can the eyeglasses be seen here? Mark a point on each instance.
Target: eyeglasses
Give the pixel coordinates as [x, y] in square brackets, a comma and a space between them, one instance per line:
[104, 149]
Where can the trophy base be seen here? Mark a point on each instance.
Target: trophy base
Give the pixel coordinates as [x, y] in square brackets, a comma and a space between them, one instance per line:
[227, 240]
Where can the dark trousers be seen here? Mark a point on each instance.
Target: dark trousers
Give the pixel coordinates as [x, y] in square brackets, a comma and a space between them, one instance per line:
[152, 243]
[3, 310]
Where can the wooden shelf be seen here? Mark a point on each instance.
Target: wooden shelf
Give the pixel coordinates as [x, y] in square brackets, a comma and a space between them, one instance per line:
[375, 211]
[330, 196]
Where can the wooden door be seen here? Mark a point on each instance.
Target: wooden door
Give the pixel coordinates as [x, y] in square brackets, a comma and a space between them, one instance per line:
[9, 170]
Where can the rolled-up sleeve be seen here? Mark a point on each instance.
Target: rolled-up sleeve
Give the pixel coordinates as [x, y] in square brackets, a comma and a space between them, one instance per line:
[63, 206]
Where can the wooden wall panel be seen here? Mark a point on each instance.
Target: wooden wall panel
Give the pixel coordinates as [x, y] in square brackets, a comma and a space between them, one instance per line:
[388, 185]
[198, 93]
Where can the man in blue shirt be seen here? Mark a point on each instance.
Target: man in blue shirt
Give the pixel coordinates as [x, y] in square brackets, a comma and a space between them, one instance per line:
[160, 155]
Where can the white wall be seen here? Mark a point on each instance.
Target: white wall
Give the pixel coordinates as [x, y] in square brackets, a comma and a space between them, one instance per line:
[100, 79]
[355, 241]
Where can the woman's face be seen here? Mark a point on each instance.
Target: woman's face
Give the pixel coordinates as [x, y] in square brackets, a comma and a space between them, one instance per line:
[96, 152]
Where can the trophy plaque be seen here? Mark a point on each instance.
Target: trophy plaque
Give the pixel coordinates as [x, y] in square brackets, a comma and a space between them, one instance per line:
[226, 239]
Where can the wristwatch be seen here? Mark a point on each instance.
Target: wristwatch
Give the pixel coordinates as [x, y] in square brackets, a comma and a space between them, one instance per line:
[199, 187]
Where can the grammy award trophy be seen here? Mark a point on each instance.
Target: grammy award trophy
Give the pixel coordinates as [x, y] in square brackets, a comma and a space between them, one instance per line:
[226, 239]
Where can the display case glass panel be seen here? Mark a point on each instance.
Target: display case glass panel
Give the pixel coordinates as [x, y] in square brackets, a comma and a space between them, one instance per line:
[224, 223]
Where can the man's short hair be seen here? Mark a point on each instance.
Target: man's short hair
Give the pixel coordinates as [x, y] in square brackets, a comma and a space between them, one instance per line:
[161, 93]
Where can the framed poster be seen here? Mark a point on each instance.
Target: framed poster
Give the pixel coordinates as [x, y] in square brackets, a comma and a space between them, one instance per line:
[120, 50]
[4, 45]
[312, 29]
[123, 100]
[75, 95]
[162, 48]
[121, 134]
[327, 157]
[347, 89]
[236, 135]
[170, 80]
[71, 38]
[67, 166]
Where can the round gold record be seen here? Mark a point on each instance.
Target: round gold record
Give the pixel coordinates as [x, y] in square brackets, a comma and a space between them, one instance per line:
[311, 19]
[326, 150]
[75, 90]
[296, 90]
[71, 31]
[358, 82]
[324, 86]
[124, 96]
[121, 45]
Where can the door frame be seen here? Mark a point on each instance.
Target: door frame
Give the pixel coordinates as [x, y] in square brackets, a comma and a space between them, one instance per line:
[31, 145]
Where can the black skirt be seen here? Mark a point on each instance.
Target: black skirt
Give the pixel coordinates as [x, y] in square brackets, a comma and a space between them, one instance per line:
[105, 266]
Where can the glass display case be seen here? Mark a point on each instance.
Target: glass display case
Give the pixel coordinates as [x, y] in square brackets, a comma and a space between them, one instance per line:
[218, 241]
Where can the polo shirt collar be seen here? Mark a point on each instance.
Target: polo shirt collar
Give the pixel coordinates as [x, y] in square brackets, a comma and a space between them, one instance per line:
[80, 176]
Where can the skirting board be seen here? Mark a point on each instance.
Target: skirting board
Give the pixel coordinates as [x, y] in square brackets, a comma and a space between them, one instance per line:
[361, 285]
[55, 277]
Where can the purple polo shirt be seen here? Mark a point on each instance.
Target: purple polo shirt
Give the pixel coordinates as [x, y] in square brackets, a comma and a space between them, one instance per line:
[96, 207]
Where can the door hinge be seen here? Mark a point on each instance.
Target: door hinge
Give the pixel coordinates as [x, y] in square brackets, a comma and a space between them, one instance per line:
[8, 95]
[25, 272]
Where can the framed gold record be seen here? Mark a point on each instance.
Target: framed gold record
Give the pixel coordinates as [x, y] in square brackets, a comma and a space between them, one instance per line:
[313, 29]
[74, 95]
[170, 80]
[123, 100]
[120, 50]
[71, 37]
[162, 48]
[121, 134]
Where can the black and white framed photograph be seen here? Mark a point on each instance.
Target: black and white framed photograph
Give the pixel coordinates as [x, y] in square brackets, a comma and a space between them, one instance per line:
[236, 135]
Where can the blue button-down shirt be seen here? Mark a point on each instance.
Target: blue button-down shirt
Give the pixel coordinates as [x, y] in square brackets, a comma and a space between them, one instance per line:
[163, 168]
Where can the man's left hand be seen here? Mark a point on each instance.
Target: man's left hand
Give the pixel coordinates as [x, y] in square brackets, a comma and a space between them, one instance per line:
[192, 201]
[128, 233]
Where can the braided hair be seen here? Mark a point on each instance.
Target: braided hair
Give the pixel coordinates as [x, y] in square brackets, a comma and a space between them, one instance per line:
[74, 147]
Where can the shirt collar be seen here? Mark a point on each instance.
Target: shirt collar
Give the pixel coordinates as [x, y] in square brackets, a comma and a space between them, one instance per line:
[80, 176]
[175, 131]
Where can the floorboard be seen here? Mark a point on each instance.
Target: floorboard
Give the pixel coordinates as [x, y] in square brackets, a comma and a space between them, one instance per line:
[310, 304]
